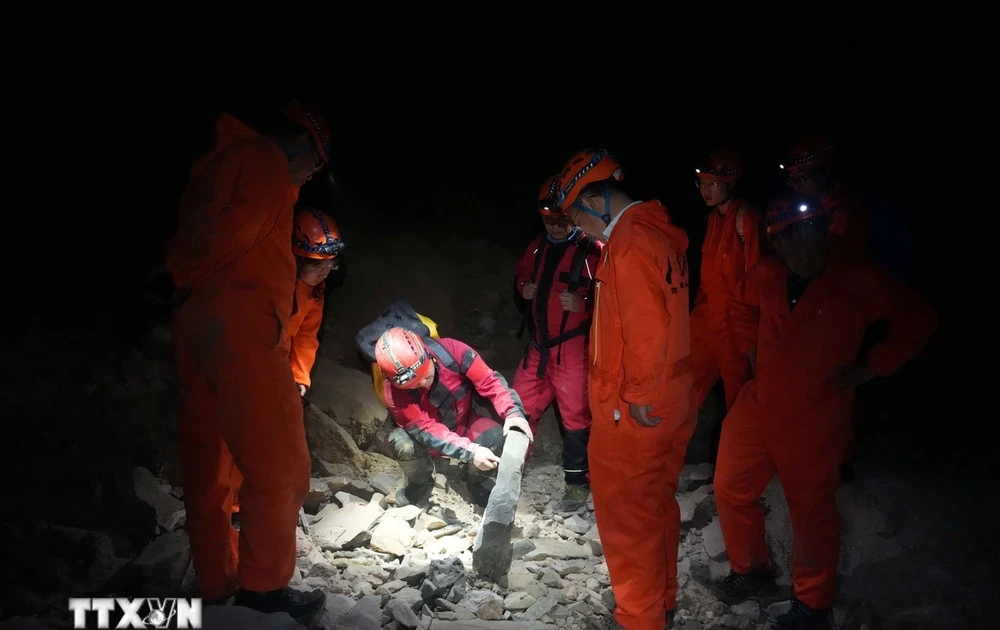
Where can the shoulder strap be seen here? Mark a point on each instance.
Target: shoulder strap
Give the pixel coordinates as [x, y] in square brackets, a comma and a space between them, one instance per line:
[538, 259]
[739, 223]
[576, 268]
[446, 357]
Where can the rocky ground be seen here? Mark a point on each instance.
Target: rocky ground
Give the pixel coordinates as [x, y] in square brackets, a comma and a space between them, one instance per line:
[912, 552]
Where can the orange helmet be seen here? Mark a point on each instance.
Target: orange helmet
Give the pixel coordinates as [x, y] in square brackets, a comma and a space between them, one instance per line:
[724, 164]
[808, 154]
[315, 235]
[792, 208]
[310, 118]
[546, 194]
[402, 357]
[585, 167]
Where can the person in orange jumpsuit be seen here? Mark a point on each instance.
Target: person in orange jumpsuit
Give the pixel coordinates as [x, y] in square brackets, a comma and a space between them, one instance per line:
[732, 245]
[317, 244]
[555, 274]
[805, 311]
[639, 385]
[808, 166]
[240, 411]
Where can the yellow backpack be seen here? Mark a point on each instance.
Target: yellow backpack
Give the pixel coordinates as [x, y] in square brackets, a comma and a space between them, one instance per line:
[378, 381]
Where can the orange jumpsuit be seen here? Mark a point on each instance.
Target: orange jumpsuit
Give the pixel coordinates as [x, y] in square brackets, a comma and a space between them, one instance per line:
[303, 330]
[725, 257]
[640, 354]
[788, 419]
[241, 414]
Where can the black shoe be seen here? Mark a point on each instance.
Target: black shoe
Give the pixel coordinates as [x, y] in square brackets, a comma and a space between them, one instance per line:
[739, 586]
[298, 604]
[802, 617]
[479, 492]
[417, 494]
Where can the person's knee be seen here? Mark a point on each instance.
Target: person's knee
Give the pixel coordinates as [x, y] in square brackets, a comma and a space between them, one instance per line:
[492, 439]
[403, 447]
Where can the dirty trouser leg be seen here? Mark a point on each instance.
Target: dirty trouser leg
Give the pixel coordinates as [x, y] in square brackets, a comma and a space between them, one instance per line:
[414, 460]
[743, 470]
[568, 377]
[209, 476]
[633, 479]
[808, 466]
[260, 416]
[536, 392]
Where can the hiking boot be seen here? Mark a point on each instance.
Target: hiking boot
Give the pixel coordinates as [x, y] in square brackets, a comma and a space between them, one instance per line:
[739, 586]
[574, 498]
[298, 604]
[802, 617]
[416, 494]
[479, 492]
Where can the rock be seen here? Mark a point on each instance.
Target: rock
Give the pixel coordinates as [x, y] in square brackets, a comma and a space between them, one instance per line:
[170, 513]
[347, 395]
[319, 493]
[519, 601]
[578, 525]
[346, 527]
[540, 608]
[484, 604]
[392, 535]
[518, 578]
[442, 577]
[386, 483]
[411, 575]
[479, 624]
[366, 615]
[711, 539]
[558, 549]
[492, 552]
[428, 522]
[749, 609]
[335, 607]
[687, 506]
[402, 614]
[718, 570]
[550, 578]
[694, 476]
[328, 440]
[733, 621]
[218, 617]
[521, 548]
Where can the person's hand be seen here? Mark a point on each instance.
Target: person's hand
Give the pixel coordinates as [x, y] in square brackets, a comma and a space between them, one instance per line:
[851, 376]
[570, 302]
[484, 459]
[518, 422]
[529, 290]
[302, 389]
[641, 415]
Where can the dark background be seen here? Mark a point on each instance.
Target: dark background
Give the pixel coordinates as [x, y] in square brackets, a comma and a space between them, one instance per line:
[399, 171]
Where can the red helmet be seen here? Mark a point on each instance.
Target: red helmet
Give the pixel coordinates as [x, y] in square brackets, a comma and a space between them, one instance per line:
[315, 235]
[585, 167]
[724, 164]
[808, 154]
[310, 118]
[792, 208]
[402, 357]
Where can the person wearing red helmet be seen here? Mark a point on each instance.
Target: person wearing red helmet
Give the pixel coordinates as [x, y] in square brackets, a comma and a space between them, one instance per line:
[805, 311]
[639, 383]
[732, 245]
[429, 386]
[317, 244]
[808, 167]
[555, 275]
[240, 412]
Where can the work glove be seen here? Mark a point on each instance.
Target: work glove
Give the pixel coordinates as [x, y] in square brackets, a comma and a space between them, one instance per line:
[518, 422]
[483, 458]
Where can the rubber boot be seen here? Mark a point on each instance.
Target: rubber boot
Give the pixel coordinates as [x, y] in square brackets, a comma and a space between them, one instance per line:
[418, 481]
[298, 604]
[738, 587]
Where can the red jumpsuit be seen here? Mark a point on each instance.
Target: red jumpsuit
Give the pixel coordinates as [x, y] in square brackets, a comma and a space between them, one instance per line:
[732, 245]
[240, 415]
[555, 364]
[440, 418]
[641, 355]
[789, 419]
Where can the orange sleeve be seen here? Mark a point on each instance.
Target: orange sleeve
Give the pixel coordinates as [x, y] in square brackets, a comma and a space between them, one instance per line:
[642, 302]
[744, 310]
[526, 264]
[911, 321]
[305, 343]
[223, 217]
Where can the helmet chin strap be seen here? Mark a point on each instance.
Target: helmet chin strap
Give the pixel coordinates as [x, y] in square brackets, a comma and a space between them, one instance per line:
[606, 217]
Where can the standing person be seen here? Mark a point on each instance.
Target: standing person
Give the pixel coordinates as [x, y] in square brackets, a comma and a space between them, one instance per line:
[241, 414]
[639, 384]
[555, 275]
[806, 313]
[732, 245]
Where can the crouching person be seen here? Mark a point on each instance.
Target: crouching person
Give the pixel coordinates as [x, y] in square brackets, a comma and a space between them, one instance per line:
[428, 390]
